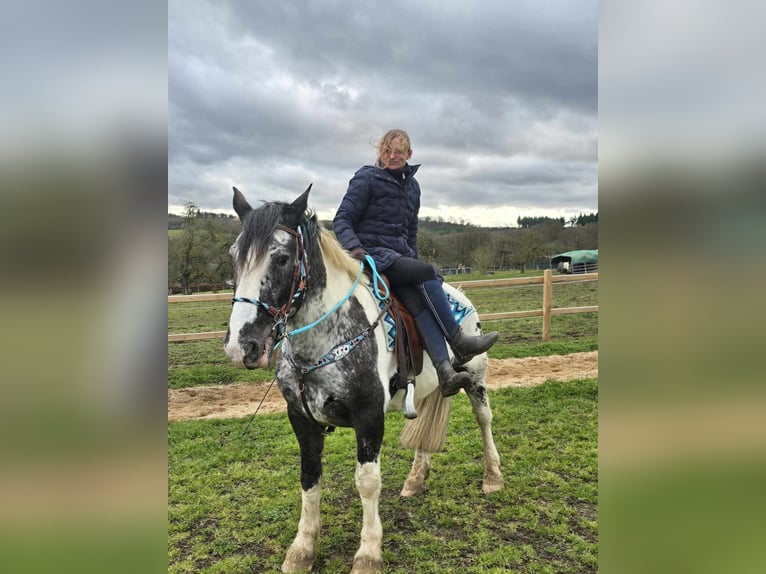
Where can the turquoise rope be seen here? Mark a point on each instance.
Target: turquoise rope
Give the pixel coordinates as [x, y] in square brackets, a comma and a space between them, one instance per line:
[331, 311]
[376, 280]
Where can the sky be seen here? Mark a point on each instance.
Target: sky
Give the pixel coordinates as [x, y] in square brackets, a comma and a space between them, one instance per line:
[499, 97]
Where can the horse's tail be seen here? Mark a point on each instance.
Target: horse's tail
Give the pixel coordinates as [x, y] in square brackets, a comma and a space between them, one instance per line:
[428, 432]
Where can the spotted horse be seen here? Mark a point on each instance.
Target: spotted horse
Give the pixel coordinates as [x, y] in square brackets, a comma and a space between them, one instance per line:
[297, 290]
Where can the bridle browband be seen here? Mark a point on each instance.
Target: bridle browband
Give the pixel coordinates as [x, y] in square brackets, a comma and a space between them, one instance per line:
[298, 289]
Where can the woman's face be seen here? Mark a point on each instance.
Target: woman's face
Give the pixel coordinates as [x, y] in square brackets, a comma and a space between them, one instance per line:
[395, 154]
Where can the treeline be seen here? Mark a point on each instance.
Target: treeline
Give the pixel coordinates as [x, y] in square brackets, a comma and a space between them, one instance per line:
[508, 248]
[440, 226]
[199, 255]
[177, 221]
[582, 219]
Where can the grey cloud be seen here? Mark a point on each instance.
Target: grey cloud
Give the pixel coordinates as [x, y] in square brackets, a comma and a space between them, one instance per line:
[279, 94]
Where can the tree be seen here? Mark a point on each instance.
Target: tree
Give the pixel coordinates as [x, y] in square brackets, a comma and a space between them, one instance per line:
[532, 249]
[457, 248]
[484, 256]
[585, 219]
[505, 246]
[200, 252]
[427, 246]
[186, 256]
[529, 222]
[217, 241]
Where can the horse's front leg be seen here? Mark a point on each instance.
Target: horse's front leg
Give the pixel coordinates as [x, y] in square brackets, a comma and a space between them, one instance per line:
[369, 437]
[300, 555]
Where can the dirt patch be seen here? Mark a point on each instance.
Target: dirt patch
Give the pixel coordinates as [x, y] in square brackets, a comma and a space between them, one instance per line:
[239, 400]
[531, 371]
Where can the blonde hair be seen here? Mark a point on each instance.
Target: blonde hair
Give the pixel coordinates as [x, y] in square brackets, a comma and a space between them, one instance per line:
[386, 140]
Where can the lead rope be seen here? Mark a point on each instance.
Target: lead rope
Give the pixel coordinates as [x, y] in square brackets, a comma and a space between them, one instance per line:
[258, 408]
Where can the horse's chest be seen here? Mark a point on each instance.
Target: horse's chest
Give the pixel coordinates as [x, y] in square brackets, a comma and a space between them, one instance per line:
[336, 391]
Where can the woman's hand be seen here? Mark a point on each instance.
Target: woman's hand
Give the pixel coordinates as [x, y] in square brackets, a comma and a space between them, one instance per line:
[358, 253]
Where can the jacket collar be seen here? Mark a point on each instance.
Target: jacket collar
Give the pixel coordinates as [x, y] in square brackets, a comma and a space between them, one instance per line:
[409, 170]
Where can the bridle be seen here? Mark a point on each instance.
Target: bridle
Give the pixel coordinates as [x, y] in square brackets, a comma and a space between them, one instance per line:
[298, 289]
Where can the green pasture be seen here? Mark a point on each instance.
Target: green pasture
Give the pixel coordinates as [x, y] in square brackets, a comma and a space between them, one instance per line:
[204, 362]
[234, 492]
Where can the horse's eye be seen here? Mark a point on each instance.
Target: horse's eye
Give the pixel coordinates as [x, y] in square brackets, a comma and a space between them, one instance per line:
[282, 260]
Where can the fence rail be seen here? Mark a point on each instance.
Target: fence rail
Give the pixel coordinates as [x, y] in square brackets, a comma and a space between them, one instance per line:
[547, 280]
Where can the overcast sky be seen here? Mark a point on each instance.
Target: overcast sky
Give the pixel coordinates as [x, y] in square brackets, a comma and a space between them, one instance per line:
[500, 99]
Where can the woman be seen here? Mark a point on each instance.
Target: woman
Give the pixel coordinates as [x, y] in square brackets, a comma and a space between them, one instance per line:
[379, 215]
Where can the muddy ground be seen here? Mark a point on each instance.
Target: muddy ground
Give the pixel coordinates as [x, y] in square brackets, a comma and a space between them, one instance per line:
[242, 399]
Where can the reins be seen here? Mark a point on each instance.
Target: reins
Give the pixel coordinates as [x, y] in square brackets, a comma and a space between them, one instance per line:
[337, 306]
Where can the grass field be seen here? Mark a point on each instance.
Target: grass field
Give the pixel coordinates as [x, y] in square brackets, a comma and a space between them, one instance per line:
[204, 362]
[234, 498]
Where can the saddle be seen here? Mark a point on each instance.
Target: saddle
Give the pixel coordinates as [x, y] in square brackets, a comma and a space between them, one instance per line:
[408, 345]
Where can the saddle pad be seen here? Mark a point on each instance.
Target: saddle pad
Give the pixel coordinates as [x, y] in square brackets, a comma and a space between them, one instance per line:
[459, 311]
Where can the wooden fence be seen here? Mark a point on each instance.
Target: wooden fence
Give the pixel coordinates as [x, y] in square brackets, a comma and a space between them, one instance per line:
[547, 280]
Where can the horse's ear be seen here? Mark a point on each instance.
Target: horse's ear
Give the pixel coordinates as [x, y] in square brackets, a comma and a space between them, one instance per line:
[299, 206]
[241, 206]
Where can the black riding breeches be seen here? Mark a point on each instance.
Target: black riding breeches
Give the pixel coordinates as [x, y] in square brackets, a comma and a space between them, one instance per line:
[405, 274]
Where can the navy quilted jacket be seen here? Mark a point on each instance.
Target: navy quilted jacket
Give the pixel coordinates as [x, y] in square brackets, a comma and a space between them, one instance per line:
[380, 214]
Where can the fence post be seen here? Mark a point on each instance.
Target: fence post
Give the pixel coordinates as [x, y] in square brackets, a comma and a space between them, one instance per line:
[547, 297]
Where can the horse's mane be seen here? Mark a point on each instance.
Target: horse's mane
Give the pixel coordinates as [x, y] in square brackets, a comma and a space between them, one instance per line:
[257, 229]
[259, 225]
[335, 255]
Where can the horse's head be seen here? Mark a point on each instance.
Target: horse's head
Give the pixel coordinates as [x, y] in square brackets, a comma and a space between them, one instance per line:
[271, 272]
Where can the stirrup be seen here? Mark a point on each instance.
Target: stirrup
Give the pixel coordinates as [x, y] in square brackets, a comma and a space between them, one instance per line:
[408, 402]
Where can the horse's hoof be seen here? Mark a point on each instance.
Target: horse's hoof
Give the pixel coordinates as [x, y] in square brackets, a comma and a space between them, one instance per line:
[297, 562]
[410, 490]
[366, 565]
[491, 485]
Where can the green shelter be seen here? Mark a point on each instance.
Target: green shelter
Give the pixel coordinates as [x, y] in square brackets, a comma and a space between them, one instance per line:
[580, 261]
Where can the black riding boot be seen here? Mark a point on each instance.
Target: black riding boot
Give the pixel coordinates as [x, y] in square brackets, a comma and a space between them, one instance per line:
[465, 347]
[450, 380]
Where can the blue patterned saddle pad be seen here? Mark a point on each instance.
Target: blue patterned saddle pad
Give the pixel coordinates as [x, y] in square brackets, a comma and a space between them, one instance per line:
[459, 311]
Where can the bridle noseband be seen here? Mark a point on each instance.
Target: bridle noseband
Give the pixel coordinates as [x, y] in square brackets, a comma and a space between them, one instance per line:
[298, 289]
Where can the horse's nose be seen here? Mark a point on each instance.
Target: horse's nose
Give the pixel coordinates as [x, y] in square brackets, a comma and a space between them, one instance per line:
[252, 353]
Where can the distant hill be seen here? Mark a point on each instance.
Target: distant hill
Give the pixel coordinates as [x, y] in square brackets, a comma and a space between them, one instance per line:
[440, 227]
[436, 226]
[176, 221]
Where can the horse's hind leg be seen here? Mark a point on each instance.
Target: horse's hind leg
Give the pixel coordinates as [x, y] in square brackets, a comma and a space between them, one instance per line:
[477, 393]
[300, 556]
[416, 479]
[426, 435]
[369, 557]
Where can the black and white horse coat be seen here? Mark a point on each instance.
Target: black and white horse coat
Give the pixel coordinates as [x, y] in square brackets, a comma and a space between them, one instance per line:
[291, 274]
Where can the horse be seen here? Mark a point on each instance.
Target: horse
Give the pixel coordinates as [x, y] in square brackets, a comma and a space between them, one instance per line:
[298, 289]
